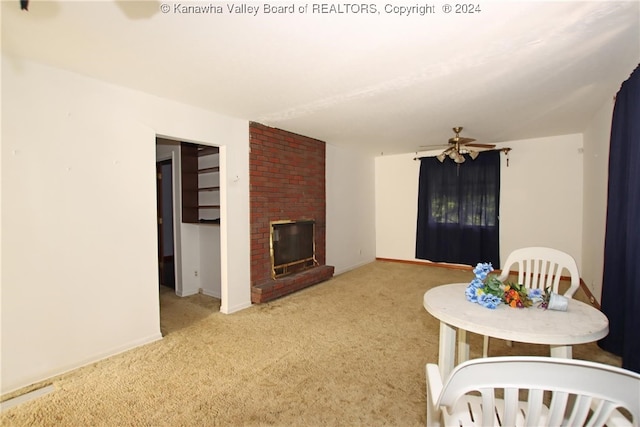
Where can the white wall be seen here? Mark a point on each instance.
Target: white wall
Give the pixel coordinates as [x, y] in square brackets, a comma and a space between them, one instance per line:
[596, 178]
[80, 282]
[541, 198]
[209, 272]
[350, 209]
[396, 206]
[541, 195]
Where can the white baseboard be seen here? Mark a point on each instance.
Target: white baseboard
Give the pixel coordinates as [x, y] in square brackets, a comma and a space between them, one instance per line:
[214, 294]
[352, 267]
[233, 309]
[84, 362]
[34, 394]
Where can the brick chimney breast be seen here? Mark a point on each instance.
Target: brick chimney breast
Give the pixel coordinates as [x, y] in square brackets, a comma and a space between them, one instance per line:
[287, 182]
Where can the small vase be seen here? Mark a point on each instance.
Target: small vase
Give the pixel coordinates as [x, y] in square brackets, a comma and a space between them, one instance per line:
[558, 302]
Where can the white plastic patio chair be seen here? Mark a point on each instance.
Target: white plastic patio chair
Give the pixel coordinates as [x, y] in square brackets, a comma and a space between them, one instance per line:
[539, 268]
[533, 391]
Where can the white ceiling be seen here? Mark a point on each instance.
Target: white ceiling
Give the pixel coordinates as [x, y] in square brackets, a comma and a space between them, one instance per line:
[380, 82]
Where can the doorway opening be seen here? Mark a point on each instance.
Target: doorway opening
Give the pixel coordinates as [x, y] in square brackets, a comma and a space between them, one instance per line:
[189, 251]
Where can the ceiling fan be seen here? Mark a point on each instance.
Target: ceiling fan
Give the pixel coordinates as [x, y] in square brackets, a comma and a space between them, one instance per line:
[457, 147]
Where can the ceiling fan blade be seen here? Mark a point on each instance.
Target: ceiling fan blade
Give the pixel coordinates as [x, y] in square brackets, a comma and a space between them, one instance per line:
[480, 145]
[460, 140]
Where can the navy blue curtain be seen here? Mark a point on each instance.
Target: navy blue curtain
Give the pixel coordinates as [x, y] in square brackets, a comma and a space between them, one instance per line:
[621, 277]
[458, 208]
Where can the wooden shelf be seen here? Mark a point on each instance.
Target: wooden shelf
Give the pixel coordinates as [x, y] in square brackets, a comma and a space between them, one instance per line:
[206, 151]
[210, 221]
[209, 170]
[200, 184]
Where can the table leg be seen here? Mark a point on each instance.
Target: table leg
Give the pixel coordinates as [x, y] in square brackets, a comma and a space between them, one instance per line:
[563, 351]
[446, 349]
[463, 346]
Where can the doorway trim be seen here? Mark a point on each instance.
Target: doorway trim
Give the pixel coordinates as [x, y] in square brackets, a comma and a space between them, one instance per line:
[176, 201]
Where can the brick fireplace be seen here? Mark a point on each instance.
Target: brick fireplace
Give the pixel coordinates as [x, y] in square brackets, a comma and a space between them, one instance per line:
[287, 183]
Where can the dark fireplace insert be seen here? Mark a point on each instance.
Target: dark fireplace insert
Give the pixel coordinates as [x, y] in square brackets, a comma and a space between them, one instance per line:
[292, 246]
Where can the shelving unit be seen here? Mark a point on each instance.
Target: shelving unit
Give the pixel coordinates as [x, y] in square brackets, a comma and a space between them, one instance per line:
[200, 184]
[208, 185]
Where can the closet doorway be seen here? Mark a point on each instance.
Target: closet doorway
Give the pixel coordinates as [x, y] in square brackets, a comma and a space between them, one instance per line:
[189, 240]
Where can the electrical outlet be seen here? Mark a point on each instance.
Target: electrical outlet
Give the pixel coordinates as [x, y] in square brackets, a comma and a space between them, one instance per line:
[195, 273]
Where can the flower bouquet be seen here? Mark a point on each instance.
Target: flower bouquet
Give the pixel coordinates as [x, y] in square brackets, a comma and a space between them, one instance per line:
[489, 291]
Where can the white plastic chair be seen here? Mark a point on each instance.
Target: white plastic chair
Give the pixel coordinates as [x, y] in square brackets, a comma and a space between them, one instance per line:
[577, 392]
[539, 268]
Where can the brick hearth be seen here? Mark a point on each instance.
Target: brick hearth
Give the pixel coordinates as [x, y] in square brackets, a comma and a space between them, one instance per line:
[287, 177]
[272, 289]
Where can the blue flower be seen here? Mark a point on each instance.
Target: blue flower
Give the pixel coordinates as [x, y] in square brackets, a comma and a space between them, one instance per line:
[477, 283]
[473, 291]
[482, 270]
[535, 293]
[489, 301]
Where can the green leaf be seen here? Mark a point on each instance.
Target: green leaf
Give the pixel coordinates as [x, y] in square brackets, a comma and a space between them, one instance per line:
[494, 286]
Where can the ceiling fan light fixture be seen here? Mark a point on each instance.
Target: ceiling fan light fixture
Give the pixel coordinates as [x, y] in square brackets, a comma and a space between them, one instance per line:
[459, 146]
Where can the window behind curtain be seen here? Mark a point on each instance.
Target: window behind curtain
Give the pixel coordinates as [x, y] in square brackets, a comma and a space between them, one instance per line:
[458, 210]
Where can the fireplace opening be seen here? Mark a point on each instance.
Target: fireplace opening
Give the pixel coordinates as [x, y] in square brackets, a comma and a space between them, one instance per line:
[292, 246]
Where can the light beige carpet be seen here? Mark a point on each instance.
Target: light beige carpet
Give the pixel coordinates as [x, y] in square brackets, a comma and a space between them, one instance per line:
[347, 352]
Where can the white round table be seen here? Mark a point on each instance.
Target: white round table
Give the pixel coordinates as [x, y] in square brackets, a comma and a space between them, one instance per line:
[580, 324]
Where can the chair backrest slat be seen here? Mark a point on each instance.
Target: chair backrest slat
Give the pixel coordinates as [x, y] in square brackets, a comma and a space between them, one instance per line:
[601, 414]
[488, 401]
[534, 407]
[558, 407]
[580, 410]
[511, 396]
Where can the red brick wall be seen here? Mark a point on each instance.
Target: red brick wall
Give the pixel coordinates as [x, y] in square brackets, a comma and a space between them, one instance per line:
[287, 182]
